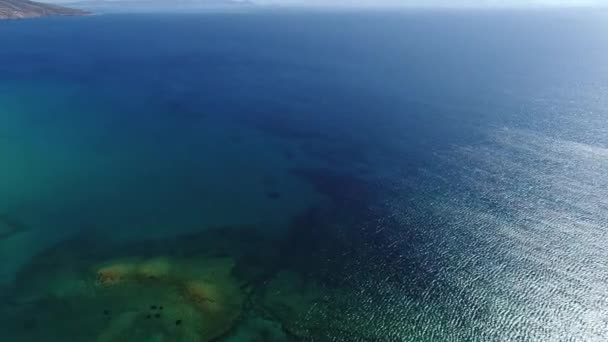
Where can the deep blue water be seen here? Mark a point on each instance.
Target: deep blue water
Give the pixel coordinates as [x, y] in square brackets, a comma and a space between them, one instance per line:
[422, 175]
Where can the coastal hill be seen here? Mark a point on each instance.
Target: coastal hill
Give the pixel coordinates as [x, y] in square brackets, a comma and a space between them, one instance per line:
[19, 9]
[113, 6]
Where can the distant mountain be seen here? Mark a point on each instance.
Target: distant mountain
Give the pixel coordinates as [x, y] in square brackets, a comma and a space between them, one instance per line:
[155, 5]
[19, 9]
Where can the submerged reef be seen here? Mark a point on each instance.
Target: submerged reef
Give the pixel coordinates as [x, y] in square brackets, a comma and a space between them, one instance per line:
[172, 293]
[164, 298]
[200, 299]
[308, 282]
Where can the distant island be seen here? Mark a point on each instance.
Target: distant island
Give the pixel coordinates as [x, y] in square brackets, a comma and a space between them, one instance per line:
[105, 6]
[20, 9]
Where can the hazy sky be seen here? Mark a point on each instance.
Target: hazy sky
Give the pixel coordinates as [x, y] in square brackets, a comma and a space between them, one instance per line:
[426, 3]
[451, 3]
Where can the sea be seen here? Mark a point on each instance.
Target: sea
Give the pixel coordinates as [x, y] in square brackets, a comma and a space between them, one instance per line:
[305, 175]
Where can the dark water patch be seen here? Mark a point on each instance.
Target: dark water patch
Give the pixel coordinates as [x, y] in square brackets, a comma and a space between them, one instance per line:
[333, 232]
[183, 109]
[29, 324]
[338, 251]
[269, 181]
[236, 139]
[314, 137]
[289, 155]
[361, 233]
[220, 241]
[280, 122]
[307, 238]
[274, 195]
[338, 154]
[177, 100]
[344, 189]
[37, 320]
[10, 226]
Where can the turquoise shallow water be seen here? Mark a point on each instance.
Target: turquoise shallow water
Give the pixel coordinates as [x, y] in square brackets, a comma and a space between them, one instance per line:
[304, 176]
[71, 166]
